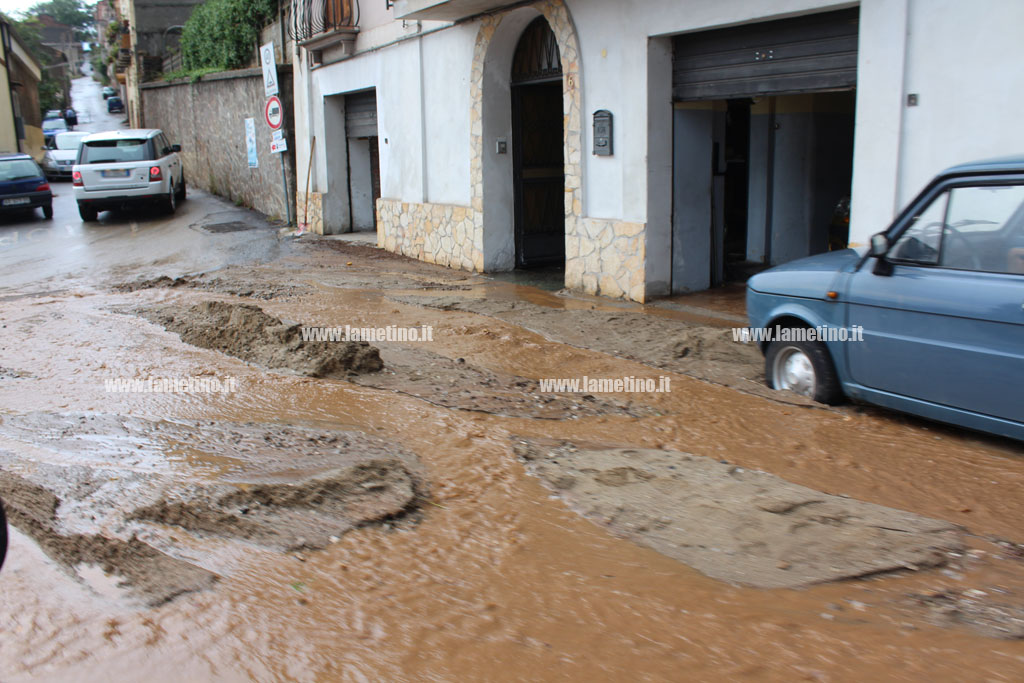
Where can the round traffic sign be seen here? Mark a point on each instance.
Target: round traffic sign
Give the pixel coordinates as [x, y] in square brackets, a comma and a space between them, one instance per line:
[274, 113]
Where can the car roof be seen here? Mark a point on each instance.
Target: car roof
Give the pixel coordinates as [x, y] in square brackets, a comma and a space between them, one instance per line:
[129, 134]
[8, 156]
[1006, 164]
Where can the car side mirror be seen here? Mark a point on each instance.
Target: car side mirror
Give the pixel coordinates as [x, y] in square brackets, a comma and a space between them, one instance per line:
[879, 245]
[879, 248]
[175, 148]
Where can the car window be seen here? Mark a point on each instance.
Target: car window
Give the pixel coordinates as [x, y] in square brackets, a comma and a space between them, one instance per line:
[984, 229]
[114, 151]
[165, 148]
[68, 140]
[18, 169]
[920, 242]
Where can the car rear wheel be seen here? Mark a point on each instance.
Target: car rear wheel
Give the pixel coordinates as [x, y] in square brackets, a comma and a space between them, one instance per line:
[171, 203]
[182, 189]
[804, 368]
[87, 213]
[48, 211]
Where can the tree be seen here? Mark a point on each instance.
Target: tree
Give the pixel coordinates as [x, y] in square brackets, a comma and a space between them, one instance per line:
[53, 89]
[73, 13]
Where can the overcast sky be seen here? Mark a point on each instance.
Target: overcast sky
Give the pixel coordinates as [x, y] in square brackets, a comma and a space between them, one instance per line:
[9, 7]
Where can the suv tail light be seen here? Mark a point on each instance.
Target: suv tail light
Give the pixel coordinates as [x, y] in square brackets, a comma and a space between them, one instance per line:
[43, 187]
[155, 173]
[76, 179]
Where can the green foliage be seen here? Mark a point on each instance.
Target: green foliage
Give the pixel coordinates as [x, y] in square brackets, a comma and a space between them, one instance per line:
[223, 34]
[52, 87]
[99, 67]
[113, 32]
[74, 13]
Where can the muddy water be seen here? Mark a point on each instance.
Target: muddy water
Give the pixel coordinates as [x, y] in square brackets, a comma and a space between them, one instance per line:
[499, 581]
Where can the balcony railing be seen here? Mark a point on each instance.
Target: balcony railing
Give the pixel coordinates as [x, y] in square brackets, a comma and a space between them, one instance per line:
[311, 18]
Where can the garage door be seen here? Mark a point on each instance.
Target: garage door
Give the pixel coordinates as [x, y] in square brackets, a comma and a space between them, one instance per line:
[804, 54]
[361, 114]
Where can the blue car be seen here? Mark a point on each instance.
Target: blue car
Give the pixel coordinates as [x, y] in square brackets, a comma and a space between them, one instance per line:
[23, 185]
[928, 320]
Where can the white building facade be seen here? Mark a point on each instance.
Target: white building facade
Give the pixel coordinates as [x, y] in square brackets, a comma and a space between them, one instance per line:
[649, 148]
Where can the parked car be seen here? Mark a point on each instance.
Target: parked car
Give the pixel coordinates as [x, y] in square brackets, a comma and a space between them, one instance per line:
[23, 185]
[53, 114]
[123, 168]
[114, 104]
[937, 298]
[53, 126]
[108, 91]
[61, 153]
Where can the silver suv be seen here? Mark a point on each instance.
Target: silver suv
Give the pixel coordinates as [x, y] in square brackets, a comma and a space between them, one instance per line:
[123, 168]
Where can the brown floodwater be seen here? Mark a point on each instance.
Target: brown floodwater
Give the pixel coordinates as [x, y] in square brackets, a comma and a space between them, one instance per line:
[499, 581]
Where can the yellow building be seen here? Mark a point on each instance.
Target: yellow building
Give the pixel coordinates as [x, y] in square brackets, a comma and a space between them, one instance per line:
[20, 118]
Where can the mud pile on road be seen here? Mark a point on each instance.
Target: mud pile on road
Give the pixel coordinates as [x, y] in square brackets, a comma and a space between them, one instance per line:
[116, 491]
[742, 526]
[454, 383]
[246, 332]
[291, 515]
[974, 608]
[236, 282]
[153, 575]
[703, 351]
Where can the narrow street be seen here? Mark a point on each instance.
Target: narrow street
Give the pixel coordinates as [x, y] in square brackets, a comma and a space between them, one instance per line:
[439, 516]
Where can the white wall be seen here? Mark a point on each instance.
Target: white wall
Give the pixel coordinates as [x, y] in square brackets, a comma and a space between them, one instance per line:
[422, 114]
[964, 62]
[447, 63]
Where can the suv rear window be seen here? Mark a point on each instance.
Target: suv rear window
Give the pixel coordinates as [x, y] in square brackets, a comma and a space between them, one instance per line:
[115, 151]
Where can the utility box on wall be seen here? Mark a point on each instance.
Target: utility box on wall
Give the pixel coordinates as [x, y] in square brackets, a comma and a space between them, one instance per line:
[603, 133]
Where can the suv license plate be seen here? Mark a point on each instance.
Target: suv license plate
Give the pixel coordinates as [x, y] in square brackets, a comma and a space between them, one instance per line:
[16, 201]
[115, 173]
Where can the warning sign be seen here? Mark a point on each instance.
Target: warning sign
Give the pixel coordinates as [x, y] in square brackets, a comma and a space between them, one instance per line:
[269, 69]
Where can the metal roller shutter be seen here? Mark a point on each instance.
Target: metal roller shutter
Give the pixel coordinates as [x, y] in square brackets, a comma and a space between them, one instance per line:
[810, 53]
[361, 114]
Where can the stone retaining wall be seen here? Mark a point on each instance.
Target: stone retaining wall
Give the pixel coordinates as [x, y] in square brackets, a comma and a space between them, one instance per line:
[208, 119]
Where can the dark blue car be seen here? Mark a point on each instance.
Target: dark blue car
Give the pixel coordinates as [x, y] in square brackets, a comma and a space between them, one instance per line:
[928, 320]
[23, 185]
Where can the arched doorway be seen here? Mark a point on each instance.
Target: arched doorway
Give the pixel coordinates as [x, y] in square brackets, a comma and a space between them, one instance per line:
[537, 148]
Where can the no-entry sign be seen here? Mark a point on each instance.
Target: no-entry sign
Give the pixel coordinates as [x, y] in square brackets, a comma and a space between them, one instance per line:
[274, 113]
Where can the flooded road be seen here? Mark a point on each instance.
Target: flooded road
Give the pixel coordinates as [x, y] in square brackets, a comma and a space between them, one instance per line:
[492, 576]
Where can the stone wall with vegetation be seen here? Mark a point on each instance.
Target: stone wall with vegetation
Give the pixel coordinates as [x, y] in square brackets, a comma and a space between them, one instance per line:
[207, 117]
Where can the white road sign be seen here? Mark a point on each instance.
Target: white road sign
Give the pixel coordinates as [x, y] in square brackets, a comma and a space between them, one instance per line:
[269, 69]
[278, 143]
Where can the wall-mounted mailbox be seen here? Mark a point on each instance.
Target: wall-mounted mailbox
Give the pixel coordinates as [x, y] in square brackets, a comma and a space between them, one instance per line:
[603, 133]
